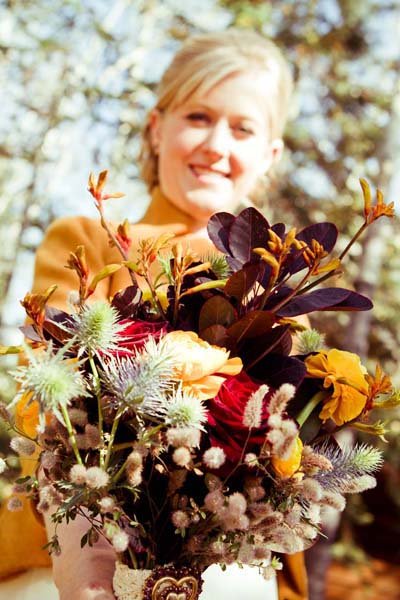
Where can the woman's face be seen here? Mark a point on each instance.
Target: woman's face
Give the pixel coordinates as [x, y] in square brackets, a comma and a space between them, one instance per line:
[214, 147]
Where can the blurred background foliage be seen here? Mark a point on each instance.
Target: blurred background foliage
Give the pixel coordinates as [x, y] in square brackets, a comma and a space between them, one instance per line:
[77, 77]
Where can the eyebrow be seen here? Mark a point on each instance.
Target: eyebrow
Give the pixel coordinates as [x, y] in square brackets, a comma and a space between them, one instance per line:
[203, 106]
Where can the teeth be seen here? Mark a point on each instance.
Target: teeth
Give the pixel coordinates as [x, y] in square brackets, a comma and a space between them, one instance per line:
[206, 171]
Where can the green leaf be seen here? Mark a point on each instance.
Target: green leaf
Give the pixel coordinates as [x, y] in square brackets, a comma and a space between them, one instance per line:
[208, 285]
[379, 428]
[103, 274]
[10, 350]
[131, 265]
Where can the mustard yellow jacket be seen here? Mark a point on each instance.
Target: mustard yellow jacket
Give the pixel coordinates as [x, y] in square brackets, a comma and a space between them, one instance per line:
[22, 533]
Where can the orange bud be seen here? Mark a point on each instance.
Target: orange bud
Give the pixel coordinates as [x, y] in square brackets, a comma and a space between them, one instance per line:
[123, 236]
[35, 305]
[77, 262]
[96, 188]
[367, 196]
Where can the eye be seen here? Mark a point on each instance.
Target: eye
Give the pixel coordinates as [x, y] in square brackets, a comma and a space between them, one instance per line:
[198, 116]
[244, 130]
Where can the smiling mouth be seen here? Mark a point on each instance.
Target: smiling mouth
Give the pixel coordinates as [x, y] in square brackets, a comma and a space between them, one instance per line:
[200, 171]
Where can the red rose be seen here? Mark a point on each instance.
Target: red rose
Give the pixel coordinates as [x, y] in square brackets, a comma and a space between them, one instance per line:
[225, 418]
[136, 333]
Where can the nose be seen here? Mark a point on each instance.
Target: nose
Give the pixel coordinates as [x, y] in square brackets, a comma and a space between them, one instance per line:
[218, 140]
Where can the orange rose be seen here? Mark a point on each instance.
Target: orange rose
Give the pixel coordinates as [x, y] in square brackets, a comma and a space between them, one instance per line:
[344, 372]
[201, 367]
[285, 468]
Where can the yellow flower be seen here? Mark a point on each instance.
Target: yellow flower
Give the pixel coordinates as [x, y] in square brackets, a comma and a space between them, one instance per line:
[286, 468]
[201, 367]
[27, 415]
[161, 295]
[344, 372]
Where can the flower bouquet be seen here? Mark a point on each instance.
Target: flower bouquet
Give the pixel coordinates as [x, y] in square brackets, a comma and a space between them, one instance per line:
[179, 419]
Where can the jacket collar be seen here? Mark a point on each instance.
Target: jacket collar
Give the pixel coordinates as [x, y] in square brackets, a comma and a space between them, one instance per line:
[162, 211]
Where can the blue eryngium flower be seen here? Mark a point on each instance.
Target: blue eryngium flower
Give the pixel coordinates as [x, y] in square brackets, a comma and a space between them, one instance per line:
[141, 382]
[51, 380]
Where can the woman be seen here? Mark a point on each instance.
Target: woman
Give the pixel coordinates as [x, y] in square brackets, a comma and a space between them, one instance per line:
[215, 130]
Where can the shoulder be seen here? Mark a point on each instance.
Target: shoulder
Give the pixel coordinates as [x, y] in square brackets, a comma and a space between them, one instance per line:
[66, 233]
[77, 225]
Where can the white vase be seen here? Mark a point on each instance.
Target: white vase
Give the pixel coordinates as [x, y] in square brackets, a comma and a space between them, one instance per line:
[129, 583]
[237, 583]
[166, 582]
[234, 583]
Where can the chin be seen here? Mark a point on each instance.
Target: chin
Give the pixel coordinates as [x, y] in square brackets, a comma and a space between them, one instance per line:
[203, 203]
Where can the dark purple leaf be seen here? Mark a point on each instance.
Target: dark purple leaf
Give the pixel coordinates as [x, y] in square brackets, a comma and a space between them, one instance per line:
[217, 335]
[325, 299]
[218, 230]
[266, 275]
[252, 325]
[127, 301]
[30, 333]
[57, 315]
[279, 229]
[234, 263]
[240, 283]
[277, 296]
[216, 311]
[249, 230]
[56, 332]
[324, 233]
[54, 322]
[354, 302]
[276, 340]
[276, 370]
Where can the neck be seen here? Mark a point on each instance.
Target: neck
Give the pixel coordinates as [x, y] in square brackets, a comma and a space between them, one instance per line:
[162, 211]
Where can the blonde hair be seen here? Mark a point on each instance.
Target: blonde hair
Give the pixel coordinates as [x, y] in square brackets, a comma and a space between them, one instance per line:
[204, 61]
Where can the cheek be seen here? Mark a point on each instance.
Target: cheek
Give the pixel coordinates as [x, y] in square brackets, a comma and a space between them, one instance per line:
[180, 143]
[248, 163]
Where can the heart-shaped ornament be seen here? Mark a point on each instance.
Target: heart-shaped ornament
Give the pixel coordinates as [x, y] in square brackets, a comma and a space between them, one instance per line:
[169, 588]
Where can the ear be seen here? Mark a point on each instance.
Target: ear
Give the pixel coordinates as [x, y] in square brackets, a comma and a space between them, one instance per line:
[155, 125]
[273, 154]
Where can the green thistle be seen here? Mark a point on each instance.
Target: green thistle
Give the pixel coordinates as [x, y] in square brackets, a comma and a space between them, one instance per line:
[219, 266]
[349, 465]
[52, 381]
[366, 459]
[185, 410]
[96, 329]
[309, 341]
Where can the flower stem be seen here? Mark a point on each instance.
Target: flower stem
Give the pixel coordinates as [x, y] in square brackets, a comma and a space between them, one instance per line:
[293, 293]
[114, 240]
[99, 407]
[112, 437]
[309, 407]
[71, 434]
[354, 239]
[334, 271]
[153, 291]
